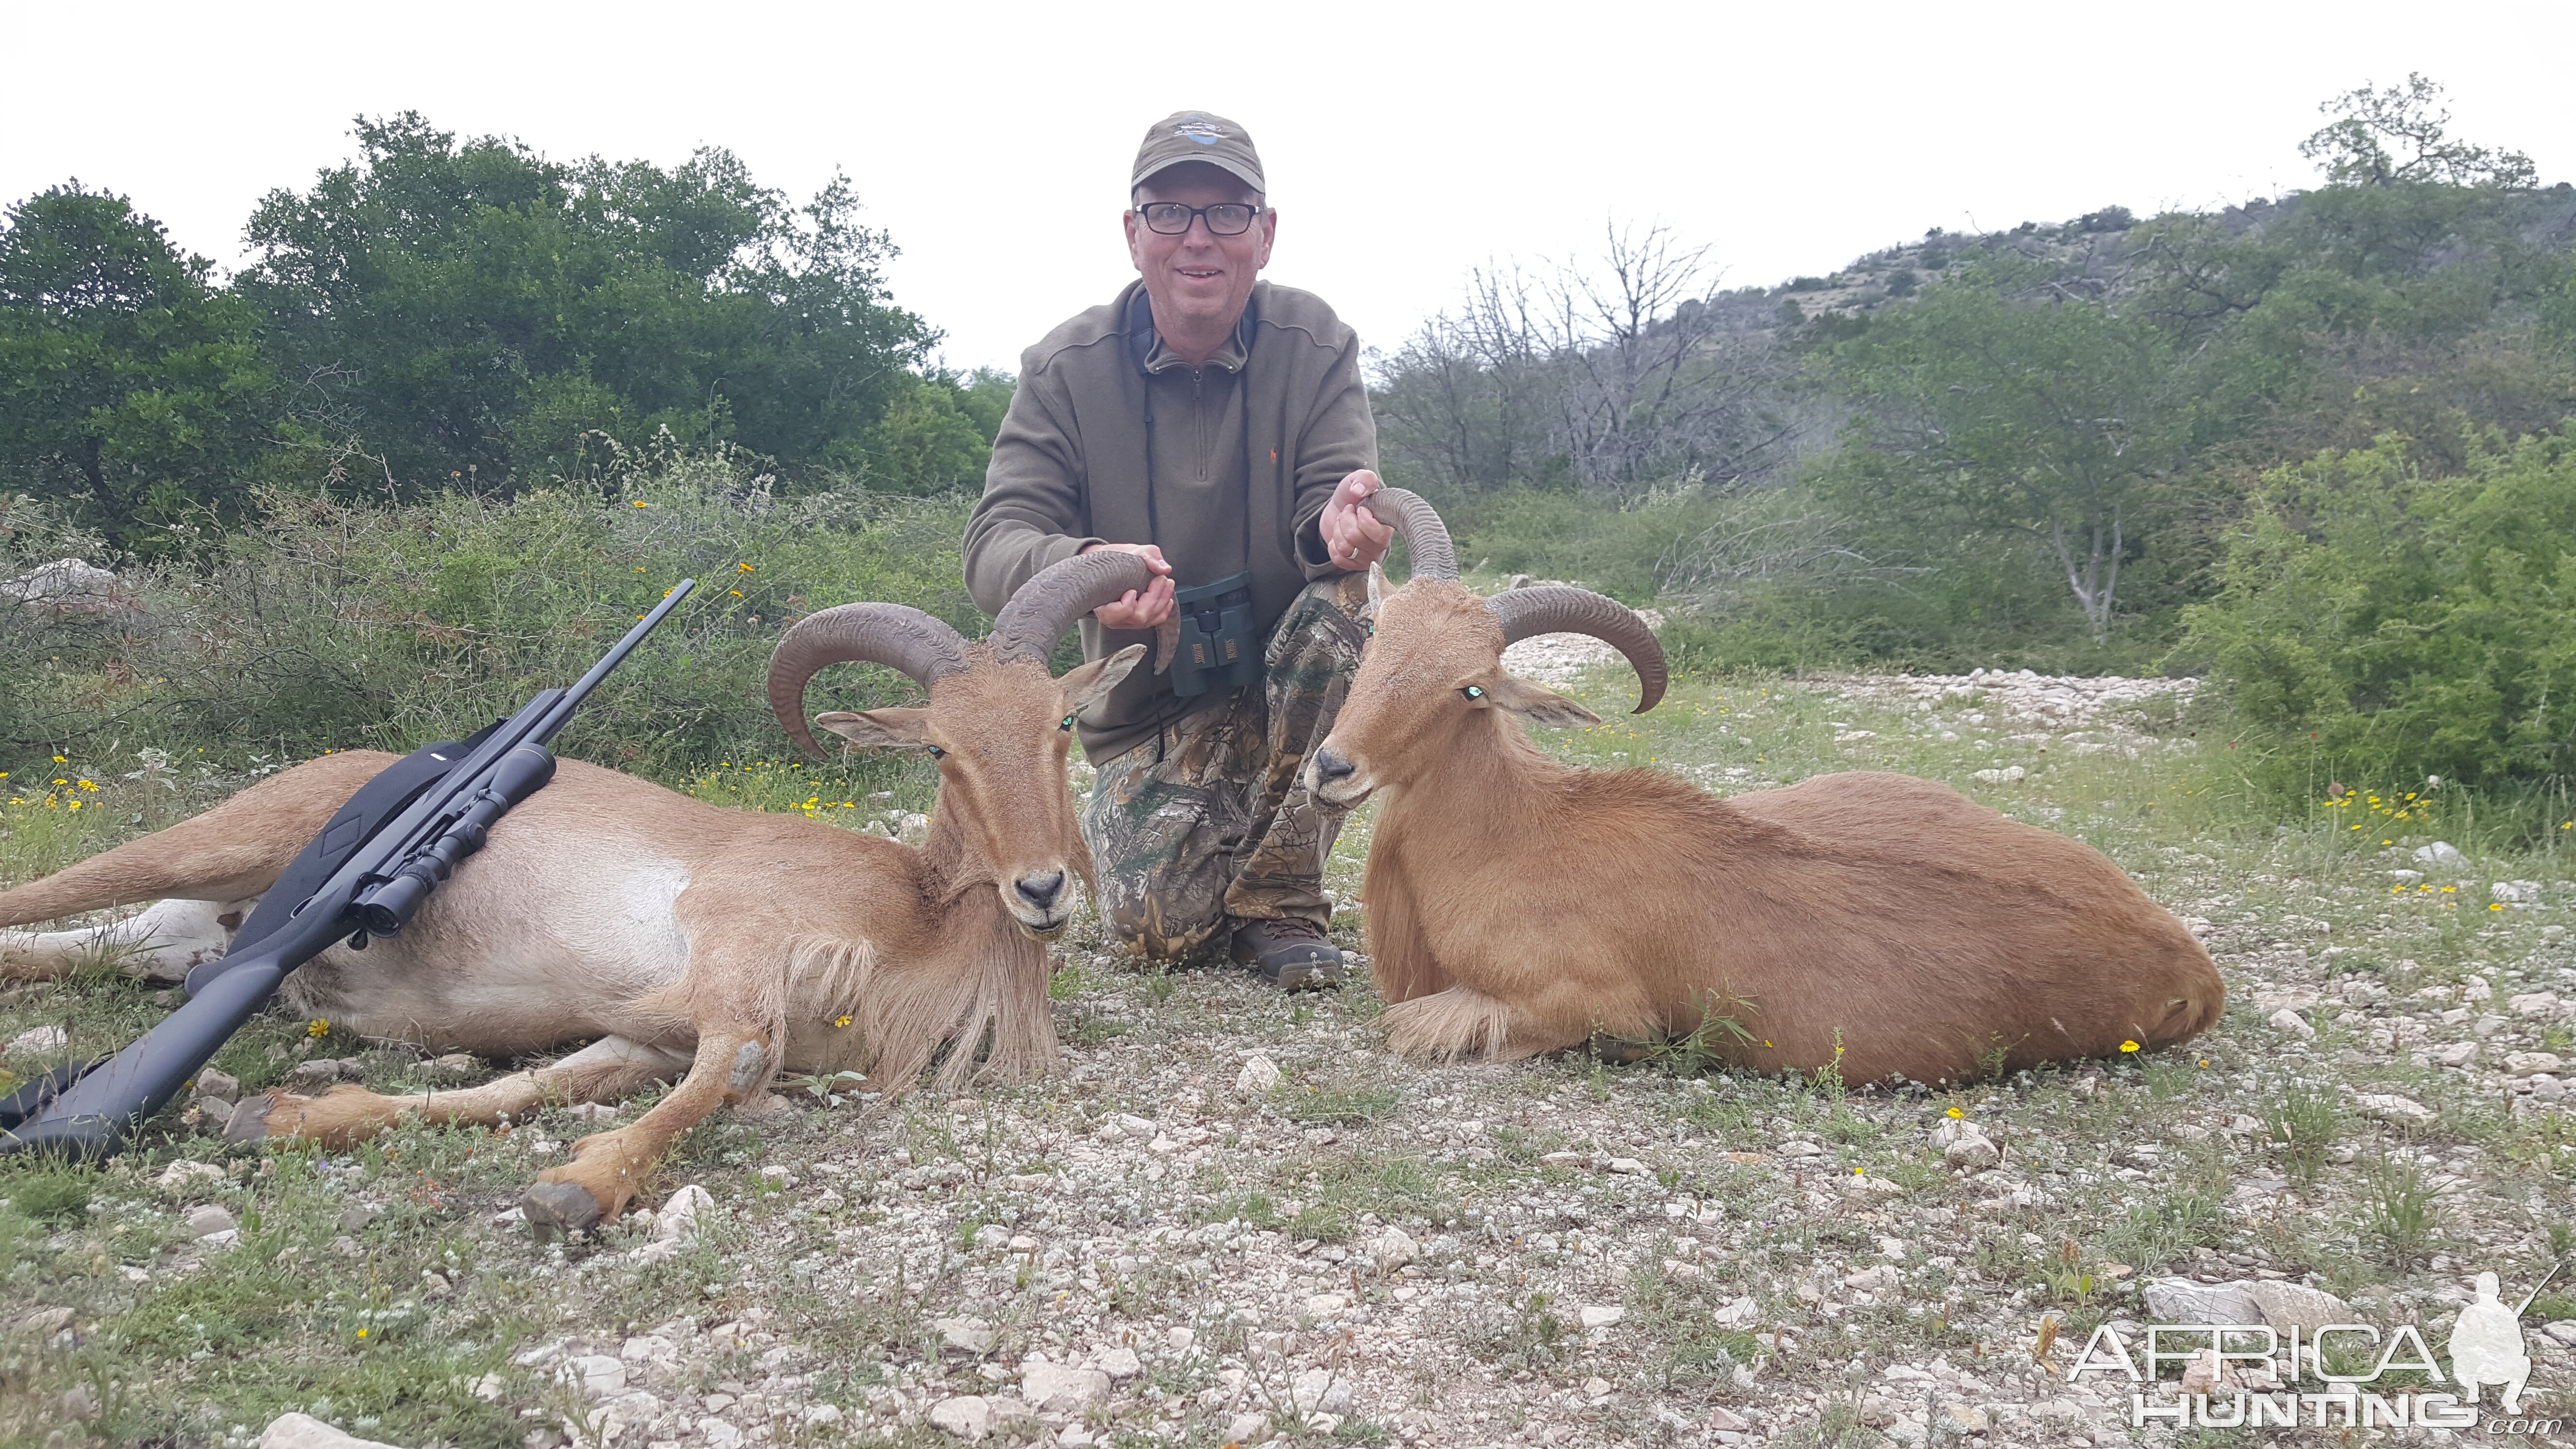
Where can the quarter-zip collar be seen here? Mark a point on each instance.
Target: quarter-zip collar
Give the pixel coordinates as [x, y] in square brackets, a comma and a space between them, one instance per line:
[1230, 357]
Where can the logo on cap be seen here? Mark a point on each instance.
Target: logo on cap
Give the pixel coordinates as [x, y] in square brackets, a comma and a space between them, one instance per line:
[1201, 130]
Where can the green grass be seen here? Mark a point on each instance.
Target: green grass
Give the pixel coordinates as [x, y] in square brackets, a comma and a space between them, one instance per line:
[1332, 1194]
[2401, 1211]
[54, 811]
[1525, 1333]
[47, 1193]
[1340, 1105]
[2303, 1123]
[1675, 1315]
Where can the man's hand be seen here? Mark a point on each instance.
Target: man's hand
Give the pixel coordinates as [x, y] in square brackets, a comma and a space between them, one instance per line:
[1353, 537]
[1140, 610]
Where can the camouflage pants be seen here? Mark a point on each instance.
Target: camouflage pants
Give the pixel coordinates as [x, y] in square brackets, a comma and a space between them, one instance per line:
[1211, 819]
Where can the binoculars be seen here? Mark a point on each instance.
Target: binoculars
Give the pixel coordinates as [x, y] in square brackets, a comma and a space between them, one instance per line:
[1216, 650]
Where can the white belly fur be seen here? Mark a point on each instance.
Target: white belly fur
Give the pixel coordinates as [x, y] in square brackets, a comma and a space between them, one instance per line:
[495, 967]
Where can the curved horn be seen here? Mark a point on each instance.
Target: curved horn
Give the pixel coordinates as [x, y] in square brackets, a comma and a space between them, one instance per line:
[1558, 609]
[1056, 599]
[895, 635]
[1425, 536]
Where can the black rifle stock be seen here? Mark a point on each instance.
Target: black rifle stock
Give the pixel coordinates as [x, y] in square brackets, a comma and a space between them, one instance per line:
[384, 882]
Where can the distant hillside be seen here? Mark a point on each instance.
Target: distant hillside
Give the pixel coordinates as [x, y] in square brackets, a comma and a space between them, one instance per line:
[2095, 255]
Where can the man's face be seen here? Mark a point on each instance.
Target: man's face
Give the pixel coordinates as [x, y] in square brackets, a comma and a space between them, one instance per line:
[1198, 281]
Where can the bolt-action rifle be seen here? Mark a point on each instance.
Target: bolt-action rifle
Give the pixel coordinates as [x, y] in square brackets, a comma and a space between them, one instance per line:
[367, 874]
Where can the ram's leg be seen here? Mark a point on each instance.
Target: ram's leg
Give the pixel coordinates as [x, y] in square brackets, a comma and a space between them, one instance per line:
[607, 1070]
[161, 943]
[1463, 1021]
[608, 1167]
[1446, 1025]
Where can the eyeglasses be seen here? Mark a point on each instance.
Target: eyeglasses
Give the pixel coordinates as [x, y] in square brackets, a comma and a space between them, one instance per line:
[1170, 218]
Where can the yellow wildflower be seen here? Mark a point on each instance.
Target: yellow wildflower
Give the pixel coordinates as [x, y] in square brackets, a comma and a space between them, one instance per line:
[318, 1028]
[2128, 1046]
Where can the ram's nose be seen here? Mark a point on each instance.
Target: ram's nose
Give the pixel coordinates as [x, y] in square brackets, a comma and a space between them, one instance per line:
[1040, 891]
[1330, 768]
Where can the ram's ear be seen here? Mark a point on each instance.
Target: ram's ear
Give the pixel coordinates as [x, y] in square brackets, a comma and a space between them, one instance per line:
[1376, 594]
[879, 729]
[1087, 682]
[1540, 706]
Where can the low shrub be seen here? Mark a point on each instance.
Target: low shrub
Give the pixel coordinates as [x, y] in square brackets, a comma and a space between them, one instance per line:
[333, 624]
[2385, 625]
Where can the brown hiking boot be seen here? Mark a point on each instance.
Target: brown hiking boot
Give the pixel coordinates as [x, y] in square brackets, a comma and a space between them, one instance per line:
[1290, 953]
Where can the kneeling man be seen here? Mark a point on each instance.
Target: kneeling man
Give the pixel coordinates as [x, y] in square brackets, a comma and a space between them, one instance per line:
[1216, 426]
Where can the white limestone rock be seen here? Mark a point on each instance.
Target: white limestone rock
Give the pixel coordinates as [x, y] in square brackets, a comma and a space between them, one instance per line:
[303, 1431]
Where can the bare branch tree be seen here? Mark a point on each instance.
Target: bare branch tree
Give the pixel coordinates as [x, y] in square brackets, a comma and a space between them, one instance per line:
[1753, 543]
[1625, 373]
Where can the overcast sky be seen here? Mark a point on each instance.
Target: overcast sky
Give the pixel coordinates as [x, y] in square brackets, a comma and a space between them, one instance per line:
[1405, 143]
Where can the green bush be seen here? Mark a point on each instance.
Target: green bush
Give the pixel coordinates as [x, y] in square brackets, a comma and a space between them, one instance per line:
[1565, 535]
[48, 1194]
[332, 625]
[2385, 625]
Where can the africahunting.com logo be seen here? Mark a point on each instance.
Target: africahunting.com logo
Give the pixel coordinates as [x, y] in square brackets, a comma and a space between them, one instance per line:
[2244, 1375]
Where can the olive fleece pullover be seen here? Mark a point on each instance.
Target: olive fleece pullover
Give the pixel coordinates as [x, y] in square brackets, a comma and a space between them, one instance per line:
[1245, 450]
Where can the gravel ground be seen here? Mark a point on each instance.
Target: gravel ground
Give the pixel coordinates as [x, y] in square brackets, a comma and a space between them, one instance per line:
[1235, 1218]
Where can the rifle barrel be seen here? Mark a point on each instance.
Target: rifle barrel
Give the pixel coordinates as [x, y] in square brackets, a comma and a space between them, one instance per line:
[561, 714]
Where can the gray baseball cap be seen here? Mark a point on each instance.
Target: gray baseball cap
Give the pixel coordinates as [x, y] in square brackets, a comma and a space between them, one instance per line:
[1198, 136]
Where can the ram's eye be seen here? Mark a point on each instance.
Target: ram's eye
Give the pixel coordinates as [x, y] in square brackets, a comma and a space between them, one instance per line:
[1068, 723]
[1473, 692]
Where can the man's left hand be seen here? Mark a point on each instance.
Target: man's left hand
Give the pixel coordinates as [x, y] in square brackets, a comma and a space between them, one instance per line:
[1353, 537]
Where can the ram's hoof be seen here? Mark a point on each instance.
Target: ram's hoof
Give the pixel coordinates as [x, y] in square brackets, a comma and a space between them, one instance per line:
[249, 1122]
[560, 1209]
[1620, 1050]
